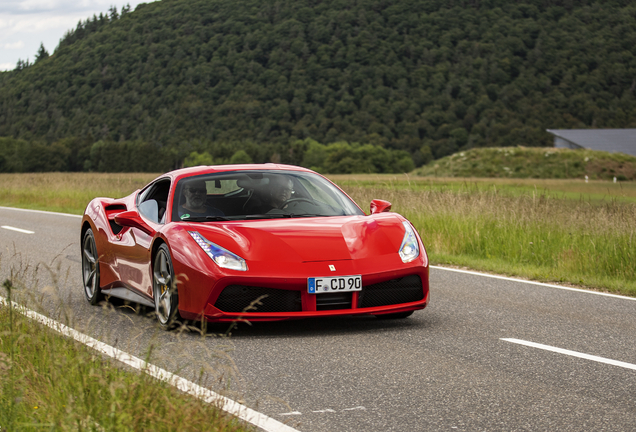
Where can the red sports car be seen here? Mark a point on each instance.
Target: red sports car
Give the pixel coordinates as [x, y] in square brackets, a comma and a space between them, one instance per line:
[256, 242]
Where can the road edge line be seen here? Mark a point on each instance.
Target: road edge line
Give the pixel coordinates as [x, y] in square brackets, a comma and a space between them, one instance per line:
[230, 406]
[40, 211]
[20, 230]
[533, 282]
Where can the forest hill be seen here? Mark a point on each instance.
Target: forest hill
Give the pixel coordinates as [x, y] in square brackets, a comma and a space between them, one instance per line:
[428, 77]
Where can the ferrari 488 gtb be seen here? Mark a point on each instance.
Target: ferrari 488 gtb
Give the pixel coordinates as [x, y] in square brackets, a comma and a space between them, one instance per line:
[256, 242]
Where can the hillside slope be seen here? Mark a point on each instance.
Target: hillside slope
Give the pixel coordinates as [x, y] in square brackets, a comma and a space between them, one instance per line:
[430, 77]
[522, 162]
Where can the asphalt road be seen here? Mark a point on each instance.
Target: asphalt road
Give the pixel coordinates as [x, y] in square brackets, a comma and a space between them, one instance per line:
[444, 368]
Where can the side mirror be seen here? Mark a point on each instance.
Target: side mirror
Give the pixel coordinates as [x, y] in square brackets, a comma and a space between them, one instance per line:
[132, 219]
[379, 206]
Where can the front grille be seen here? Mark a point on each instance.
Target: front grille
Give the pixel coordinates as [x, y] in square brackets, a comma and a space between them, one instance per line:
[333, 301]
[237, 298]
[396, 291]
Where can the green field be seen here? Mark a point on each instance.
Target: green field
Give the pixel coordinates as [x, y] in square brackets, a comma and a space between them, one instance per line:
[65, 192]
[598, 191]
[566, 231]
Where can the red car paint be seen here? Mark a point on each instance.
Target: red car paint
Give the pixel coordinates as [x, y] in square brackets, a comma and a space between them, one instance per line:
[280, 253]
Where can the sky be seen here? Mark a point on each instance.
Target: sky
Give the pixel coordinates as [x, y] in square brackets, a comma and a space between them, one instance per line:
[25, 24]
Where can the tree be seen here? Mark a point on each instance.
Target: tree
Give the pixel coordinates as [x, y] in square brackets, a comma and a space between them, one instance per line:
[241, 157]
[196, 159]
[113, 13]
[42, 53]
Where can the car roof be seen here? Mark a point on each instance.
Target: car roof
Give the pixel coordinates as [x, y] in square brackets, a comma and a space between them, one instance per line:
[209, 169]
[179, 174]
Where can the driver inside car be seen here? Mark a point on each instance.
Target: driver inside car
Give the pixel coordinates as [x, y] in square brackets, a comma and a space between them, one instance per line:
[274, 196]
[195, 194]
[280, 190]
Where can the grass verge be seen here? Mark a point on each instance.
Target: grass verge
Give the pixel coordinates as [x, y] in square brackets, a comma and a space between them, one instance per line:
[51, 382]
[66, 192]
[535, 236]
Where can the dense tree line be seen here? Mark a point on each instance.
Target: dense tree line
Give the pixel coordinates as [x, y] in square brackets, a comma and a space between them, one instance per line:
[425, 77]
[76, 154]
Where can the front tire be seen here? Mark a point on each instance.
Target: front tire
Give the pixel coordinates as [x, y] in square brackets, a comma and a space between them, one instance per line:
[164, 288]
[90, 268]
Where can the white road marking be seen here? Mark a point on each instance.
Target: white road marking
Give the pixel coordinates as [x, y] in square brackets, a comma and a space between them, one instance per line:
[40, 211]
[533, 282]
[327, 410]
[259, 420]
[17, 229]
[572, 353]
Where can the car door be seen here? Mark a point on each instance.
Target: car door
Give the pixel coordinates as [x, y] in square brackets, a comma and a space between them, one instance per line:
[134, 249]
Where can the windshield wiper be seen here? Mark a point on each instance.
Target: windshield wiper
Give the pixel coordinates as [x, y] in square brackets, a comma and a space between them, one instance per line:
[205, 219]
[268, 216]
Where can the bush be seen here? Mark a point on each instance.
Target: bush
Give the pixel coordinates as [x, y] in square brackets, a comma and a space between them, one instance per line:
[241, 157]
[196, 159]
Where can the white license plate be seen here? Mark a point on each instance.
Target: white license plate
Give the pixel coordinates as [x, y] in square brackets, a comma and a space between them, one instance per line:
[320, 285]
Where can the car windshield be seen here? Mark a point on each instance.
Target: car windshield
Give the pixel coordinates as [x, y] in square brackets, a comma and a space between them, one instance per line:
[248, 195]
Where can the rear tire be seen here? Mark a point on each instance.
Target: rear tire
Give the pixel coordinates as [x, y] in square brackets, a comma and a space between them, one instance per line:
[399, 315]
[164, 289]
[90, 268]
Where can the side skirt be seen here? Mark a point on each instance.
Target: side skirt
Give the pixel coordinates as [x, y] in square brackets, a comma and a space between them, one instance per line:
[126, 294]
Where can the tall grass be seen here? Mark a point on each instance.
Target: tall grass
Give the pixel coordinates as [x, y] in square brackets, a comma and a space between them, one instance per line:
[533, 235]
[570, 189]
[53, 383]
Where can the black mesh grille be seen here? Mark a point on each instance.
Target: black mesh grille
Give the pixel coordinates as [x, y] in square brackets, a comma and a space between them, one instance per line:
[114, 227]
[237, 298]
[333, 301]
[396, 291]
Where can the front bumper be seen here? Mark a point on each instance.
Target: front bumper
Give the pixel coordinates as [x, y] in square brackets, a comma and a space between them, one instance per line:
[275, 299]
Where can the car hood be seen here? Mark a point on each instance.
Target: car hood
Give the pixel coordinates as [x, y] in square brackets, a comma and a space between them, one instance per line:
[308, 239]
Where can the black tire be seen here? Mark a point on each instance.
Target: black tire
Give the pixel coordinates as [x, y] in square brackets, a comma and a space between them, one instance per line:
[399, 315]
[164, 289]
[90, 269]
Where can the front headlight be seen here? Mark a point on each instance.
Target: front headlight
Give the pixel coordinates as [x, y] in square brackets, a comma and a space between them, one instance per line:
[410, 248]
[222, 257]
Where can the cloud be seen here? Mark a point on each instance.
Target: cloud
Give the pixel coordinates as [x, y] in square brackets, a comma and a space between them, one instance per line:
[23, 7]
[41, 22]
[13, 45]
[7, 66]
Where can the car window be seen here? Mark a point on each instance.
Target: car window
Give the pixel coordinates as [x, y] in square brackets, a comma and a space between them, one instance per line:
[153, 201]
[317, 193]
